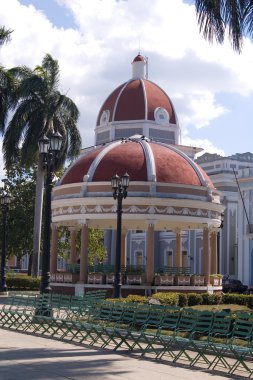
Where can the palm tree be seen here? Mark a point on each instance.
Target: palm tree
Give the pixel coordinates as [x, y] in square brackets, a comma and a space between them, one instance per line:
[215, 16]
[7, 85]
[6, 82]
[40, 108]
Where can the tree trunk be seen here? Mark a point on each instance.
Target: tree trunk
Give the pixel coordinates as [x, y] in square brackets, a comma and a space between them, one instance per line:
[37, 220]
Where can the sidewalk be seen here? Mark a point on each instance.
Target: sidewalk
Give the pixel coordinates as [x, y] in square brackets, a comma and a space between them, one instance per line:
[28, 357]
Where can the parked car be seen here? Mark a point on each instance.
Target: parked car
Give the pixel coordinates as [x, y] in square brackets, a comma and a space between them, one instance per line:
[230, 285]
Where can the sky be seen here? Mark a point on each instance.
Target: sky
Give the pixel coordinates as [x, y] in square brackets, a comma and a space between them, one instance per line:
[95, 42]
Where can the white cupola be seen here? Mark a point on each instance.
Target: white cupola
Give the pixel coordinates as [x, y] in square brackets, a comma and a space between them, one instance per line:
[138, 67]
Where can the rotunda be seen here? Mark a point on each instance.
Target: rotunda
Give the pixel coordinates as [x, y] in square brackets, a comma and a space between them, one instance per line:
[168, 192]
[138, 106]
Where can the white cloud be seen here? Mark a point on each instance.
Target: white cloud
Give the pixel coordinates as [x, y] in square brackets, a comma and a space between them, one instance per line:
[205, 144]
[95, 56]
[198, 108]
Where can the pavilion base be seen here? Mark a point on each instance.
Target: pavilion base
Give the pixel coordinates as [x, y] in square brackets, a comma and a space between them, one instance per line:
[144, 290]
[4, 294]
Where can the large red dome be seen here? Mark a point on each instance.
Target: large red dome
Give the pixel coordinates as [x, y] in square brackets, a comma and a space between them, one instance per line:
[137, 99]
[142, 160]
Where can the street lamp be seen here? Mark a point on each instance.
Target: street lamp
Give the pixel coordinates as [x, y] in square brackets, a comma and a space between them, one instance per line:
[49, 149]
[218, 242]
[5, 201]
[119, 186]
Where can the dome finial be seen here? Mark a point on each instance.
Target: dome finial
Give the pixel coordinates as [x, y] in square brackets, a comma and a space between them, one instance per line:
[138, 67]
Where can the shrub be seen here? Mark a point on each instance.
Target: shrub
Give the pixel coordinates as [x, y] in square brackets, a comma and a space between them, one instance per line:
[250, 302]
[238, 299]
[171, 299]
[136, 298]
[183, 300]
[21, 282]
[194, 299]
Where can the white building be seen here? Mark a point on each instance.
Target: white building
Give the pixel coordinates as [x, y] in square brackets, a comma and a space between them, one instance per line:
[232, 176]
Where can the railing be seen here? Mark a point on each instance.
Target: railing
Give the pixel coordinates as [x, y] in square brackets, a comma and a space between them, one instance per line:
[108, 268]
[177, 271]
[73, 268]
[133, 269]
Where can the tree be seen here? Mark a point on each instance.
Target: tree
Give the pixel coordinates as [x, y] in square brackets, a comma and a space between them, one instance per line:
[7, 83]
[96, 250]
[21, 186]
[215, 16]
[39, 108]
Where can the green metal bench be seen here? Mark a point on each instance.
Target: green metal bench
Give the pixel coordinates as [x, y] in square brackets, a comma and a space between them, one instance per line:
[198, 338]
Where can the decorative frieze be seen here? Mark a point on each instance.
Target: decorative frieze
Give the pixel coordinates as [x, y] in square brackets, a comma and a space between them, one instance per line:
[100, 209]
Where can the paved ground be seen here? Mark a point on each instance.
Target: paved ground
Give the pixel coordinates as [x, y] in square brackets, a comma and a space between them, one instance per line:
[28, 357]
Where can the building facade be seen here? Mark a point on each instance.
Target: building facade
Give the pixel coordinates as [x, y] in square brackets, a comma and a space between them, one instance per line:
[232, 176]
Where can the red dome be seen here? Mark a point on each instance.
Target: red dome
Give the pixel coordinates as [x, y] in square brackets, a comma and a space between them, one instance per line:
[137, 99]
[139, 58]
[142, 160]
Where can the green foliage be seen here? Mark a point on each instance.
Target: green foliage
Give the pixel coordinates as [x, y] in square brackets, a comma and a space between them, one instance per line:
[136, 298]
[194, 299]
[7, 83]
[40, 108]
[96, 250]
[167, 298]
[239, 299]
[21, 282]
[63, 241]
[5, 35]
[216, 275]
[20, 183]
[250, 302]
[183, 300]
[212, 299]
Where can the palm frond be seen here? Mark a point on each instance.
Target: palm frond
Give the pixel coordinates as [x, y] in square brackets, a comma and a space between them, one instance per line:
[7, 90]
[51, 66]
[210, 20]
[40, 108]
[5, 35]
[232, 11]
[248, 19]
[214, 16]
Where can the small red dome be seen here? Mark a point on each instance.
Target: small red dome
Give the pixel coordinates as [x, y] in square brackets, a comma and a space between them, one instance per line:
[142, 160]
[139, 58]
[137, 99]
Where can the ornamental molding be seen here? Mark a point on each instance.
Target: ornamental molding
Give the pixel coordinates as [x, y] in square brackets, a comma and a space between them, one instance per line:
[150, 210]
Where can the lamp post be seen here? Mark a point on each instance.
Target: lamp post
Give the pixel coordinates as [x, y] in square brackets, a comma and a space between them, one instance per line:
[49, 148]
[5, 201]
[218, 242]
[119, 186]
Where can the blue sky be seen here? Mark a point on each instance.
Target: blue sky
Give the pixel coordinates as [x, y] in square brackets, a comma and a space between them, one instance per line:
[95, 41]
[58, 15]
